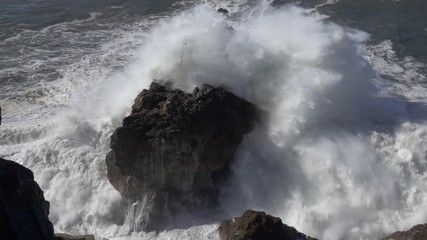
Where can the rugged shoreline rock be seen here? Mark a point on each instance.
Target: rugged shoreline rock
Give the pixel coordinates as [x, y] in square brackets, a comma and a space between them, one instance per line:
[23, 209]
[175, 148]
[254, 225]
[418, 232]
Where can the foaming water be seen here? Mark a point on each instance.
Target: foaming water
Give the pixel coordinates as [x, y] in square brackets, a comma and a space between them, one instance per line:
[322, 160]
[59, 126]
[335, 156]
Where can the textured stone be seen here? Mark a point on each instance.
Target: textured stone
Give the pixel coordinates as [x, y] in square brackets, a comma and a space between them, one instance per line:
[23, 209]
[418, 232]
[253, 225]
[175, 148]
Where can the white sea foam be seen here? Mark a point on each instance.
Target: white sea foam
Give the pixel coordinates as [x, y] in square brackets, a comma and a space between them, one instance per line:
[406, 73]
[316, 162]
[335, 156]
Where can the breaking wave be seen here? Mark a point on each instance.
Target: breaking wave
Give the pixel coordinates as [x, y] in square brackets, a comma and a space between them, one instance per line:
[337, 155]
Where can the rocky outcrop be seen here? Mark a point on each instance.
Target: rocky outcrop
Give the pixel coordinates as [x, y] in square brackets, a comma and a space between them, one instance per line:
[253, 225]
[175, 148]
[23, 209]
[418, 232]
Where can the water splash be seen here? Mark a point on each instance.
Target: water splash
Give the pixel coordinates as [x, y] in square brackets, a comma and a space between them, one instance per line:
[316, 162]
[334, 157]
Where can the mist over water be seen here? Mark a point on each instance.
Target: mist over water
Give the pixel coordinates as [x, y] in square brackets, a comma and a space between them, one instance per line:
[338, 154]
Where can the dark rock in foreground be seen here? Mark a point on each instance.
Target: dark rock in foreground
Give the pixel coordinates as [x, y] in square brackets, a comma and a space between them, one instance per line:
[253, 225]
[23, 209]
[418, 232]
[175, 148]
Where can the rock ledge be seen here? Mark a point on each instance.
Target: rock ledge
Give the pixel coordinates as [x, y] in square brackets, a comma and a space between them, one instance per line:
[254, 225]
[418, 232]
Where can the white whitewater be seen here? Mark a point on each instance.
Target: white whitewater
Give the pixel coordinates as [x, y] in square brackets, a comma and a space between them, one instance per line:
[340, 154]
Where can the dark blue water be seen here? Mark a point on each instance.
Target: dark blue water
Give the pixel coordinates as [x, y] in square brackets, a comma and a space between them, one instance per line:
[402, 22]
[38, 37]
[16, 16]
[27, 26]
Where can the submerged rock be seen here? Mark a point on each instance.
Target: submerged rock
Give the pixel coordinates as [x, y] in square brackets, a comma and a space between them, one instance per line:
[418, 232]
[175, 148]
[23, 209]
[223, 11]
[69, 237]
[253, 225]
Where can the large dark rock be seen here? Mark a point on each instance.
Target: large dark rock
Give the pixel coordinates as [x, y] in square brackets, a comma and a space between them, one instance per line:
[418, 232]
[23, 209]
[175, 148]
[253, 225]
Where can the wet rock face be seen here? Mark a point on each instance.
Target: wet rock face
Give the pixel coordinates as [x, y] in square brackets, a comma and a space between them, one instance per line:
[175, 148]
[23, 209]
[418, 232]
[253, 225]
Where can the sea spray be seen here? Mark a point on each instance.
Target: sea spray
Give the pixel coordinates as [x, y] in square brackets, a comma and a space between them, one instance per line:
[312, 162]
[333, 157]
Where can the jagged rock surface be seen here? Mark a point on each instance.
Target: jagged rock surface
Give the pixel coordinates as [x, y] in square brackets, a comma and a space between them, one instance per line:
[254, 225]
[23, 209]
[175, 148]
[418, 232]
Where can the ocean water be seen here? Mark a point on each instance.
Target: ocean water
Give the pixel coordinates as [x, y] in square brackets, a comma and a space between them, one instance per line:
[340, 153]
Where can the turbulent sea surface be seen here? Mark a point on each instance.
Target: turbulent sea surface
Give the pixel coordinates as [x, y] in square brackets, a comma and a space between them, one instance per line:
[342, 150]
